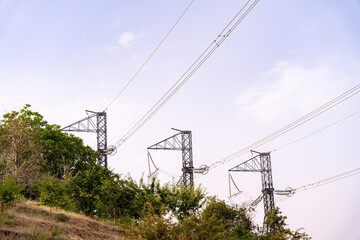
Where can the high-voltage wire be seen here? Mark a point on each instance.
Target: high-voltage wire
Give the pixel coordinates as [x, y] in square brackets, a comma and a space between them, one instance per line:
[147, 60]
[351, 92]
[321, 129]
[224, 34]
[297, 140]
[323, 182]
[327, 180]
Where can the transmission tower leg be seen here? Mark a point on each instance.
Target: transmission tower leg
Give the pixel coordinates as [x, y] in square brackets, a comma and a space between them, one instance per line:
[267, 185]
[102, 138]
[187, 159]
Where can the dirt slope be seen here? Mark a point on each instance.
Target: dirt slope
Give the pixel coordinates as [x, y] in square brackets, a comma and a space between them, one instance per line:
[28, 220]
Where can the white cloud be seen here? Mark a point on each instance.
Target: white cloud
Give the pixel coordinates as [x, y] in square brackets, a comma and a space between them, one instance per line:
[127, 39]
[290, 90]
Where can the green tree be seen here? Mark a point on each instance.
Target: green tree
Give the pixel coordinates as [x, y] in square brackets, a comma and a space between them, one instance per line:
[181, 201]
[21, 153]
[10, 192]
[153, 226]
[51, 192]
[277, 229]
[236, 220]
[29, 146]
[117, 199]
[64, 153]
[85, 188]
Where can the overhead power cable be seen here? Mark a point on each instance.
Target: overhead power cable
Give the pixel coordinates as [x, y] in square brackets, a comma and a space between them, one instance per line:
[323, 182]
[321, 129]
[224, 34]
[299, 139]
[334, 102]
[327, 180]
[147, 60]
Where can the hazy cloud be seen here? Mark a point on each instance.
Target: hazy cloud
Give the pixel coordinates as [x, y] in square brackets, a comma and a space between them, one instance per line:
[127, 39]
[290, 89]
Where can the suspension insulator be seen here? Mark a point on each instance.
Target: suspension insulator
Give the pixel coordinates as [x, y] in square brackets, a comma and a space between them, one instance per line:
[111, 150]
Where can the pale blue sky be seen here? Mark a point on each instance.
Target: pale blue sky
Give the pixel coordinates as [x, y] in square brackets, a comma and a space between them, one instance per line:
[284, 60]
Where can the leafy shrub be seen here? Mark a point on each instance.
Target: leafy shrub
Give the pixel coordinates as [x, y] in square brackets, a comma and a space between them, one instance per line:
[53, 192]
[153, 226]
[56, 231]
[10, 192]
[62, 217]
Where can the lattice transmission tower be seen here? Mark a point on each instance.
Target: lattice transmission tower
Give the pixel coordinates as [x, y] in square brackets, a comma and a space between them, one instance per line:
[261, 163]
[96, 123]
[180, 141]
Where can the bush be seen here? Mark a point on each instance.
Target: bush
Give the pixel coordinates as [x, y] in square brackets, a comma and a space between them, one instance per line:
[53, 193]
[56, 231]
[62, 217]
[10, 192]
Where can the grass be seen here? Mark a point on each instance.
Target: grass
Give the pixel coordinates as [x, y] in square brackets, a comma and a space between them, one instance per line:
[40, 234]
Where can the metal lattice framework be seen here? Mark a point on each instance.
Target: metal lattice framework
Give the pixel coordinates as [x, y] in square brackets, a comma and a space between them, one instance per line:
[96, 123]
[180, 141]
[261, 163]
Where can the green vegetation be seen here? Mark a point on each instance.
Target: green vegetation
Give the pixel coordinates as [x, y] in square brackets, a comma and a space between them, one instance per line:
[40, 162]
[10, 192]
[62, 217]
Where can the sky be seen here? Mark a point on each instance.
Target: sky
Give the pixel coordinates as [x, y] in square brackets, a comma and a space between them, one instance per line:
[284, 60]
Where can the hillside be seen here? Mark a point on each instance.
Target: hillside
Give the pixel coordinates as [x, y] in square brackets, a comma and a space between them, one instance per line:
[28, 220]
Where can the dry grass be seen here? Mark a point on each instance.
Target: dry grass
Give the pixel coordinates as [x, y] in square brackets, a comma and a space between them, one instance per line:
[28, 220]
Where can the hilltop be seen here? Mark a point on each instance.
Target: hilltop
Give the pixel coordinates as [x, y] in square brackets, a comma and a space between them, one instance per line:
[29, 220]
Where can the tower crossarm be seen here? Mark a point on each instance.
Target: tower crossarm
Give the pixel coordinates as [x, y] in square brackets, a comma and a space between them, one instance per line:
[96, 123]
[251, 165]
[84, 125]
[171, 143]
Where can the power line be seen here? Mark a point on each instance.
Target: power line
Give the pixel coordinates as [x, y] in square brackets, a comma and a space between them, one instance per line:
[147, 60]
[323, 182]
[299, 139]
[288, 144]
[327, 180]
[327, 106]
[224, 34]
[321, 129]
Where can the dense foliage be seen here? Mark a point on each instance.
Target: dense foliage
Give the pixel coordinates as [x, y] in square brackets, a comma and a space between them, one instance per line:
[10, 192]
[41, 162]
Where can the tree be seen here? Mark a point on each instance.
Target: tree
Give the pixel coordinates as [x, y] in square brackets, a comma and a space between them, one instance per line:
[85, 188]
[51, 192]
[30, 146]
[181, 201]
[275, 222]
[64, 153]
[117, 199]
[21, 153]
[10, 192]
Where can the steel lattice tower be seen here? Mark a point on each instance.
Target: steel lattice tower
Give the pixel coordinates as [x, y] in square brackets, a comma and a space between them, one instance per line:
[180, 141]
[101, 137]
[267, 182]
[187, 159]
[261, 163]
[100, 128]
